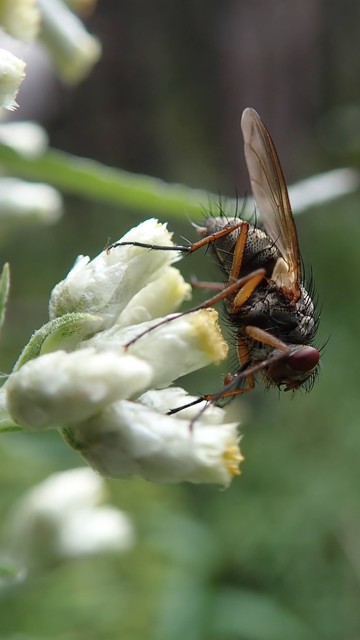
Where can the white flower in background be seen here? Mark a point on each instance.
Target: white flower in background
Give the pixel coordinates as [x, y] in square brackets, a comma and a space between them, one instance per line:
[27, 202]
[65, 517]
[72, 49]
[323, 187]
[20, 18]
[24, 202]
[28, 139]
[12, 72]
[80, 374]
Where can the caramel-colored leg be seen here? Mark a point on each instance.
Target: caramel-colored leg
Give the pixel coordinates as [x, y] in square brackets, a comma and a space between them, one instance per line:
[229, 290]
[243, 354]
[260, 335]
[239, 252]
[211, 286]
[184, 249]
[247, 373]
[247, 290]
[255, 278]
[244, 357]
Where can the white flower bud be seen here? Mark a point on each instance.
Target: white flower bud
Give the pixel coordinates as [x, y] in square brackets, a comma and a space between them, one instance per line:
[20, 18]
[164, 400]
[173, 349]
[130, 439]
[73, 50]
[63, 517]
[106, 284]
[12, 72]
[60, 388]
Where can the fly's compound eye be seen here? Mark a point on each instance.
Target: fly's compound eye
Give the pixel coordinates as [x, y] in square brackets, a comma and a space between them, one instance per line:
[305, 359]
[292, 370]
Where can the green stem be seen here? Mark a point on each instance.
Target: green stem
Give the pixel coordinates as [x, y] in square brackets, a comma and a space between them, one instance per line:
[90, 179]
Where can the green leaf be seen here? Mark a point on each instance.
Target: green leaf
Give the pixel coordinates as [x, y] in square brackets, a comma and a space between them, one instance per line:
[61, 333]
[4, 291]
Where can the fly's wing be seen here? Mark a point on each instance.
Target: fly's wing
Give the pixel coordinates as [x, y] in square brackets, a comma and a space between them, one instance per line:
[271, 196]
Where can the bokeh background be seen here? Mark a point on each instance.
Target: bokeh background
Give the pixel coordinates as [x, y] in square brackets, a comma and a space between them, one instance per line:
[277, 555]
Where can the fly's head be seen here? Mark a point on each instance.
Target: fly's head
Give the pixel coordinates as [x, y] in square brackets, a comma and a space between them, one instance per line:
[296, 324]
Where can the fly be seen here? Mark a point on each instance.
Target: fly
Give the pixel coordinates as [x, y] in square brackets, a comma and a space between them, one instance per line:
[265, 298]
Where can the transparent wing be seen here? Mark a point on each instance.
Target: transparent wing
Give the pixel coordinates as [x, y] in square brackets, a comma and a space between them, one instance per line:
[271, 195]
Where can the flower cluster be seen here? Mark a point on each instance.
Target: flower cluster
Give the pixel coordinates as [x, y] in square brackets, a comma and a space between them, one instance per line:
[110, 398]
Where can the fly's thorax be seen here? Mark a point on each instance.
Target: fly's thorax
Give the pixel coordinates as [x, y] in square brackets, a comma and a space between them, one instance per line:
[269, 309]
[260, 251]
[292, 322]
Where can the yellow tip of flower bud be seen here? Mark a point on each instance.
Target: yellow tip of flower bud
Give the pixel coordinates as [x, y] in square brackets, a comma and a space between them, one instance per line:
[232, 459]
[209, 337]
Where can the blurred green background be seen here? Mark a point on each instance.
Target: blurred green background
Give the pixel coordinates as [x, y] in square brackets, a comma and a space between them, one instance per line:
[277, 555]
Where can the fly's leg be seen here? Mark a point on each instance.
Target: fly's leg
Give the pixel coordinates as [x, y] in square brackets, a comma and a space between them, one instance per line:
[228, 291]
[232, 287]
[235, 265]
[249, 285]
[239, 251]
[230, 388]
[247, 372]
[210, 286]
[227, 391]
[244, 359]
[260, 335]
[234, 284]
[182, 248]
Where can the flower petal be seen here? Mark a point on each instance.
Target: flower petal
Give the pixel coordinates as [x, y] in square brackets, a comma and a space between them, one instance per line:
[158, 298]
